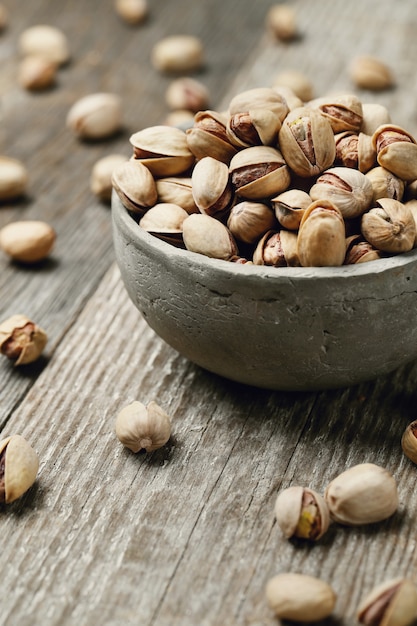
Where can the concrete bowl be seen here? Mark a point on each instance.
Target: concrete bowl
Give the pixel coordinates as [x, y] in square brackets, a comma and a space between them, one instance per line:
[288, 328]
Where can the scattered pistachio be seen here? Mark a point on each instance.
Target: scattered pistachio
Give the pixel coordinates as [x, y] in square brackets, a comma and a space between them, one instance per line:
[95, 116]
[300, 598]
[101, 175]
[178, 53]
[302, 512]
[46, 41]
[140, 427]
[392, 603]
[21, 340]
[132, 11]
[13, 178]
[36, 72]
[19, 465]
[363, 494]
[281, 21]
[187, 93]
[27, 241]
[369, 72]
[298, 82]
[409, 441]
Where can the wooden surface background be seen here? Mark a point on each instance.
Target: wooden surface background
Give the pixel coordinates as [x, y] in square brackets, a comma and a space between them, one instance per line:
[185, 536]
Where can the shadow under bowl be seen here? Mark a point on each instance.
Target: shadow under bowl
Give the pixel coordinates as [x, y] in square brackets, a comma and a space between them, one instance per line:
[278, 328]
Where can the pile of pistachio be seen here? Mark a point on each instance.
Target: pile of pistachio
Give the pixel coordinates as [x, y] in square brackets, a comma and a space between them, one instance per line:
[277, 181]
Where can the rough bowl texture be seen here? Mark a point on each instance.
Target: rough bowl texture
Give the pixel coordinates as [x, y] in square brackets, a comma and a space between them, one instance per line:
[288, 328]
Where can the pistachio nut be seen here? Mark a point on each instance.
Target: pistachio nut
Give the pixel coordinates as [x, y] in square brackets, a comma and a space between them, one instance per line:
[396, 151]
[96, 116]
[249, 221]
[254, 127]
[264, 98]
[135, 186]
[27, 241]
[389, 226]
[259, 172]
[187, 93]
[358, 250]
[140, 427]
[363, 494]
[409, 441]
[302, 512]
[13, 178]
[281, 22]
[277, 249]
[206, 235]
[300, 597]
[163, 149]
[412, 205]
[178, 190]
[21, 340]
[385, 184]
[289, 207]
[369, 72]
[373, 115]
[211, 187]
[344, 112]
[355, 150]
[346, 188]
[19, 466]
[290, 97]
[132, 11]
[300, 85]
[46, 41]
[178, 54]
[101, 175]
[164, 220]
[321, 237]
[36, 73]
[208, 137]
[392, 603]
[307, 142]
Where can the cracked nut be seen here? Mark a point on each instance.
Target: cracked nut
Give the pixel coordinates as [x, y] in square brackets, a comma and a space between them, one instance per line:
[188, 94]
[393, 603]
[101, 175]
[369, 72]
[46, 41]
[389, 226]
[206, 235]
[96, 116]
[409, 441]
[165, 220]
[321, 237]
[135, 186]
[300, 598]
[346, 188]
[27, 241]
[140, 427]
[19, 465]
[396, 150]
[302, 512]
[363, 494]
[178, 53]
[277, 249]
[211, 187]
[132, 11]
[36, 73]
[21, 340]
[163, 149]
[248, 221]
[208, 137]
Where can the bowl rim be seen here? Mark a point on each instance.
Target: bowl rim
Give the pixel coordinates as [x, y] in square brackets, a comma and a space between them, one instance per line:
[142, 239]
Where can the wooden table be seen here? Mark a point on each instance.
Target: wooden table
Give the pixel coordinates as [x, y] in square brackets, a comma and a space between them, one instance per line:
[185, 536]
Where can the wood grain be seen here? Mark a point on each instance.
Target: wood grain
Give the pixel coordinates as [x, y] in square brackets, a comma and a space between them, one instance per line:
[186, 535]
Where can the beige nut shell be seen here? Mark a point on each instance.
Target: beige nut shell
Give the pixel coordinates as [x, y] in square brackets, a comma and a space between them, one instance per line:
[27, 241]
[401, 606]
[21, 466]
[300, 597]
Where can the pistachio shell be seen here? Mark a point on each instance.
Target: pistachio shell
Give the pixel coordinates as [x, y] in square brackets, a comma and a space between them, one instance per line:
[264, 98]
[208, 137]
[177, 190]
[135, 186]
[208, 236]
[141, 427]
[302, 512]
[163, 149]
[20, 466]
[321, 238]
[211, 187]
[21, 340]
[259, 172]
[385, 184]
[164, 220]
[248, 221]
[392, 603]
[95, 116]
[300, 598]
[289, 207]
[344, 112]
[396, 151]
[358, 250]
[409, 441]
[277, 249]
[389, 226]
[346, 188]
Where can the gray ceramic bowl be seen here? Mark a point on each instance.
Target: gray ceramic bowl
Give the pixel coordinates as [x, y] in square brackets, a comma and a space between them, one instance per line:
[289, 328]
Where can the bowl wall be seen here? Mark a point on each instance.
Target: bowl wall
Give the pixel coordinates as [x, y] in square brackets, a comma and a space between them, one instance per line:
[288, 328]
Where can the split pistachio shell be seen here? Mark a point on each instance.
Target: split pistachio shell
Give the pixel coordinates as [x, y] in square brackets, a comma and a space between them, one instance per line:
[344, 112]
[248, 221]
[396, 151]
[208, 137]
[321, 238]
[355, 150]
[385, 184]
[178, 190]
[277, 249]
[206, 235]
[46, 41]
[36, 73]
[140, 427]
[281, 22]
[346, 188]
[13, 178]
[374, 115]
[164, 220]
[392, 603]
[19, 466]
[300, 597]
[135, 186]
[358, 250]
[363, 494]
[101, 175]
[178, 53]
[211, 187]
[27, 241]
[163, 149]
[254, 127]
[21, 340]
[259, 172]
[187, 93]
[412, 205]
[389, 226]
[289, 207]
[290, 97]
[307, 142]
[302, 512]
[95, 116]
[259, 98]
[409, 441]
[369, 72]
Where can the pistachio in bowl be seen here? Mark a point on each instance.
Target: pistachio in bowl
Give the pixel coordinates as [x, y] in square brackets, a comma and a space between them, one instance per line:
[289, 264]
